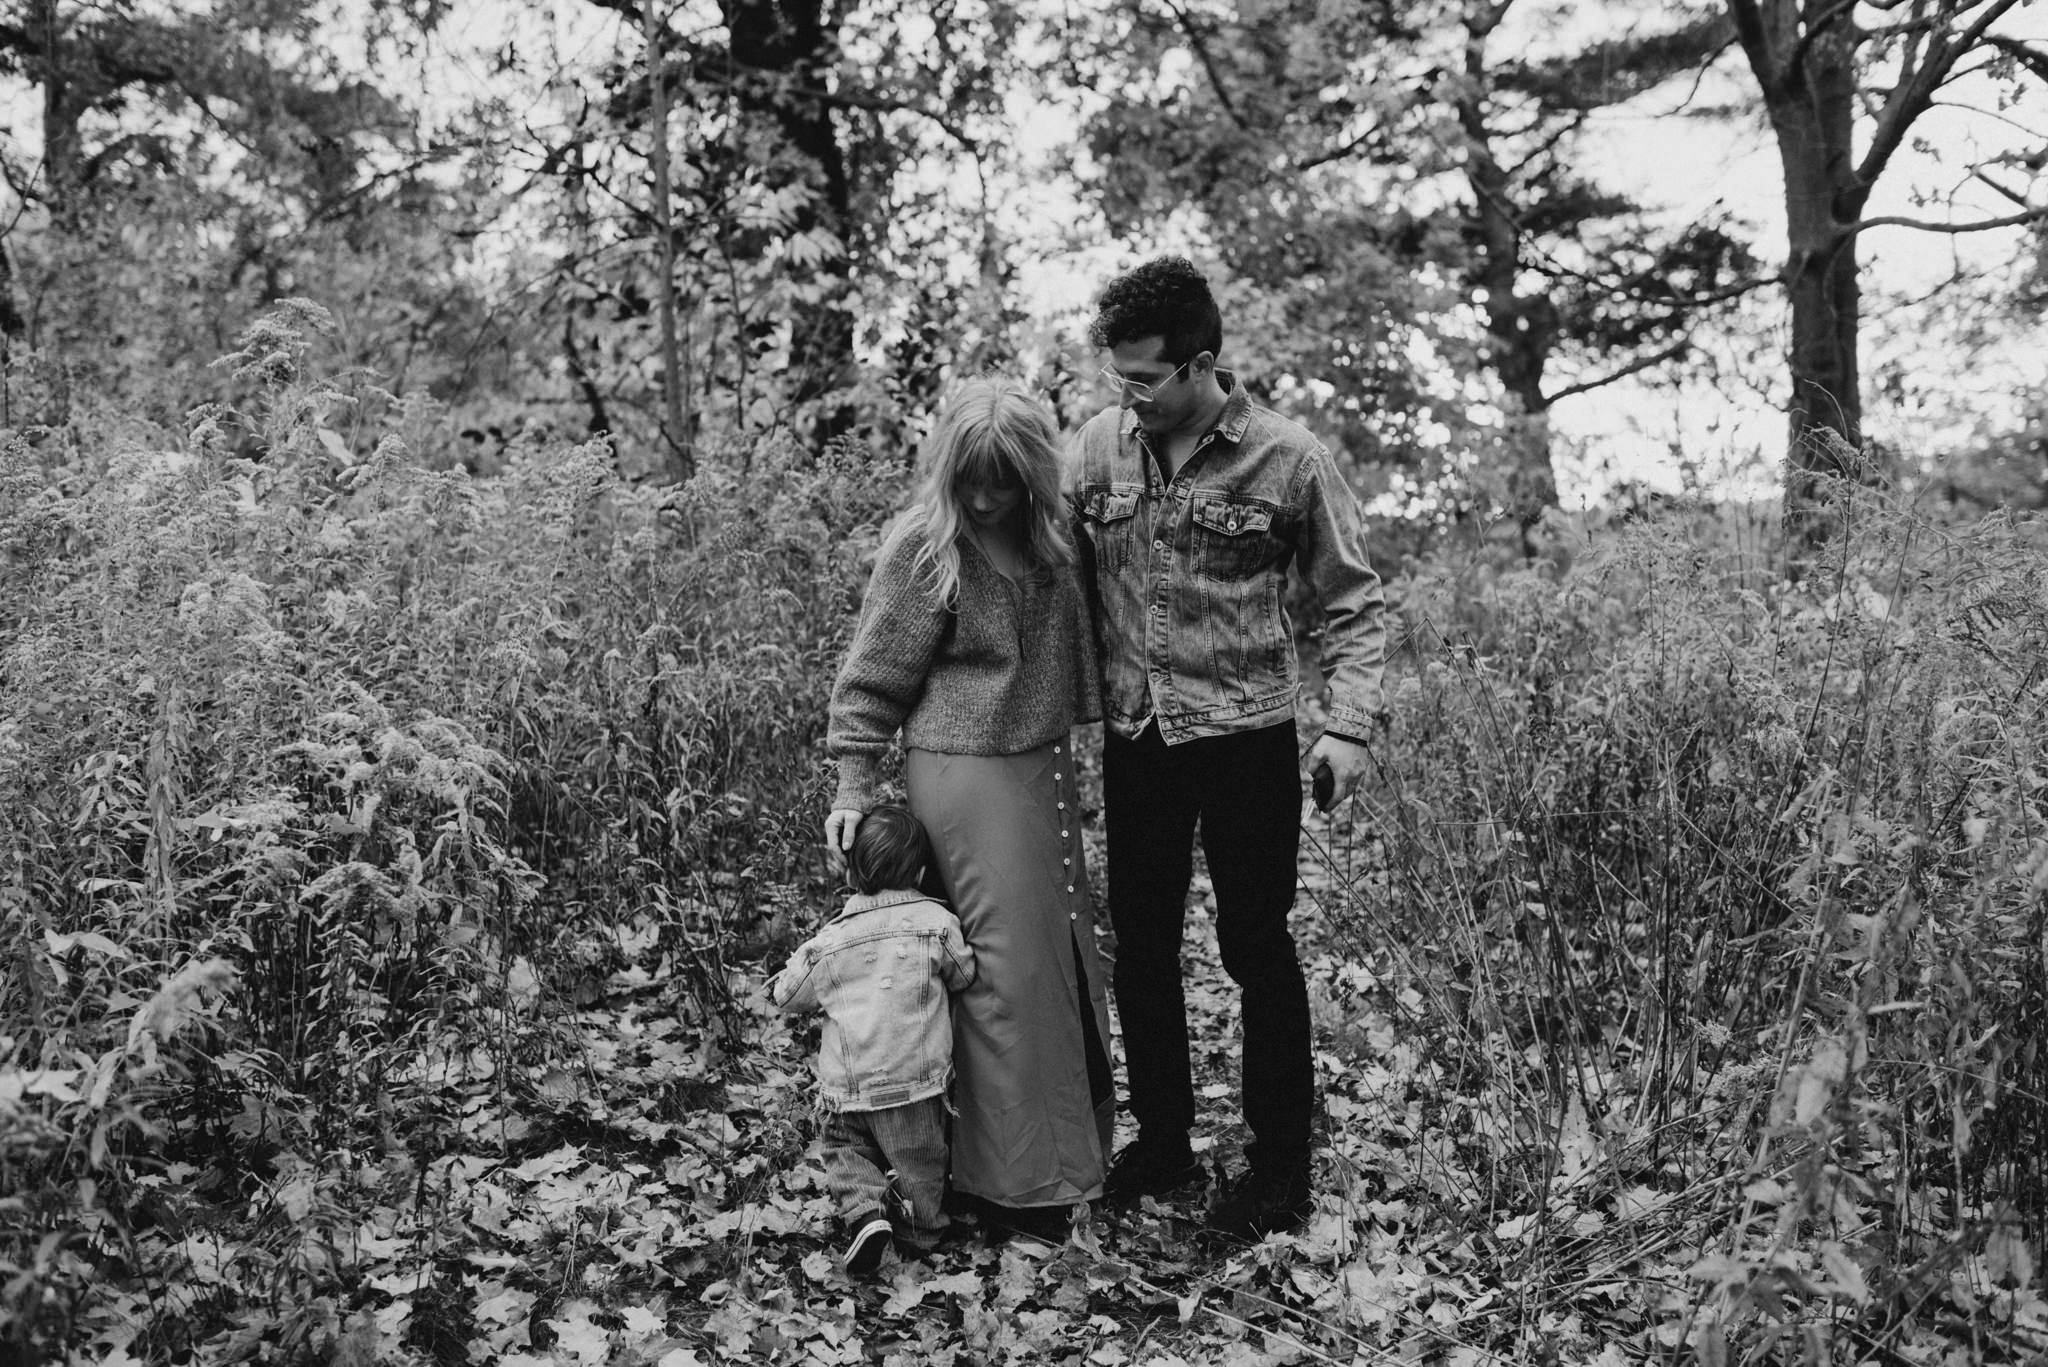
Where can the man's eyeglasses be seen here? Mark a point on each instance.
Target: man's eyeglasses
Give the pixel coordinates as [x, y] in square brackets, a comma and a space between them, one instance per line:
[1141, 390]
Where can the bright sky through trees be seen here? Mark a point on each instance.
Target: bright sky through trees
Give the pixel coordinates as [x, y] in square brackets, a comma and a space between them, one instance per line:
[505, 88]
[1688, 149]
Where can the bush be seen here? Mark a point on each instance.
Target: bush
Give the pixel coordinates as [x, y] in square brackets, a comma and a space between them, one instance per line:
[1729, 890]
[308, 757]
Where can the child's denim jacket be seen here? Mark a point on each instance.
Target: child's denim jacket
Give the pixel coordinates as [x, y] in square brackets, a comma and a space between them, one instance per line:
[881, 970]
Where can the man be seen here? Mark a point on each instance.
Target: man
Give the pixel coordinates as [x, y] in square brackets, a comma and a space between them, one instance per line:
[1193, 503]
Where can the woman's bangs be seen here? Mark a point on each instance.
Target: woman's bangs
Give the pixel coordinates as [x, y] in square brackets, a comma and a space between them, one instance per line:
[982, 462]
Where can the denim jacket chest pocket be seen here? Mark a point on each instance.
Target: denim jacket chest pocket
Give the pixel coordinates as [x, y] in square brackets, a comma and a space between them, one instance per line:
[1234, 538]
[1110, 519]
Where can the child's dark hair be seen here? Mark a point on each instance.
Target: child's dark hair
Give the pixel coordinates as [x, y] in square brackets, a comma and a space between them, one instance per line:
[1166, 298]
[889, 850]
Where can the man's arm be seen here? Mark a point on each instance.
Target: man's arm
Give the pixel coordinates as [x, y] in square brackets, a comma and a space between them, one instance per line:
[1332, 558]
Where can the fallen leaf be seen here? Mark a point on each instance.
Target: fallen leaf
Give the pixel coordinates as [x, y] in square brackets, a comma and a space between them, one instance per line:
[640, 1320]
[579, 1336]
[549, 1164]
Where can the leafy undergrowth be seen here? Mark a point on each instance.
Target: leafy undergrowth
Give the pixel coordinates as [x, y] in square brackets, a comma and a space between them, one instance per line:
[645, 1193]
[383, 919]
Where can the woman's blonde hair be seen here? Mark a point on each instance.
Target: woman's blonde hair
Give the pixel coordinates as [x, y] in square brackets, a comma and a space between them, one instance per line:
[989, 431]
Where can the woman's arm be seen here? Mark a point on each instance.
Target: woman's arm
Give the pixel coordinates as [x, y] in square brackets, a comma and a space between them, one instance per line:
[884, 673]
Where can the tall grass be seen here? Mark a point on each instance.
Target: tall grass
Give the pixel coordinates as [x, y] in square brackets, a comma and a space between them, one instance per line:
[330, 775]
[1727, 890]
[324, 772]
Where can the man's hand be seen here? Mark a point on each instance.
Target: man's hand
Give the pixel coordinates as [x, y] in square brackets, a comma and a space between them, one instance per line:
[839, 829]
[1347, 760]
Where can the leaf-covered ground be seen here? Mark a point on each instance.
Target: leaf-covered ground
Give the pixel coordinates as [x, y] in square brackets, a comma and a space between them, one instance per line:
[654, 1199]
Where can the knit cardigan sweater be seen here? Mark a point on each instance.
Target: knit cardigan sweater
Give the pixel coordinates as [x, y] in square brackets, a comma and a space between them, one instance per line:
[1010, 668]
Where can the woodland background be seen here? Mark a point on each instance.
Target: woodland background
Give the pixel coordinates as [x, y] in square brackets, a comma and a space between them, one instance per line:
[442, 443]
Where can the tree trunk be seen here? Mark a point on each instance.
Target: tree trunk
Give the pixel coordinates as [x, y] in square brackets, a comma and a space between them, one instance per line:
[1521, 330]
[1823, 203]
[13, 326]
[783, 53]
[60, 114]
[1808, 79]
[675, 431]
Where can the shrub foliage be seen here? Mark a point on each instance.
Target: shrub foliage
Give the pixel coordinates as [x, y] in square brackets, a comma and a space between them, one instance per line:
[1709, 899]
[1721, 895]
[308, 759]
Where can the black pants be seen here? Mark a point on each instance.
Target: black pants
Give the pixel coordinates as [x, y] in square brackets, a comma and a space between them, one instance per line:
[1245, 790]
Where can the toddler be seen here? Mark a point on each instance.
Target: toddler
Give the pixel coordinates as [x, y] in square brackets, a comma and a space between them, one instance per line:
[880, 970]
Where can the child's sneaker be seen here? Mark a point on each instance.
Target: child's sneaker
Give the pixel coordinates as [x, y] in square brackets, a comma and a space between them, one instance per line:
[871, 1233]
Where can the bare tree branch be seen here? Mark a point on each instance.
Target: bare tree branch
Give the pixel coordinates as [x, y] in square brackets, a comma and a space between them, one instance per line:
[1815, 29]
[1201, 47]
[883, 104]
[1337, 153]
[2032, 58]
[1980, 226]
[1756, 45]
[1636, 366]
[1982, 177]
[1749, 20]
[1910, 99]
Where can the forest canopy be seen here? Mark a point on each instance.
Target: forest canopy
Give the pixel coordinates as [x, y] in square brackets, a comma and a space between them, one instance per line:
[1469, 241]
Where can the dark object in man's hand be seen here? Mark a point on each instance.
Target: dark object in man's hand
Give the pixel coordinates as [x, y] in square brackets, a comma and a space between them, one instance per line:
[1323, 784]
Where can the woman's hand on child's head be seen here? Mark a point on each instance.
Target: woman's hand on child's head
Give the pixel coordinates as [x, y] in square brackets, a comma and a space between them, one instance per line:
[839, 829]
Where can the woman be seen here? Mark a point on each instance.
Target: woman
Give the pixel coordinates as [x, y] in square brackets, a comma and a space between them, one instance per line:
[974, 642]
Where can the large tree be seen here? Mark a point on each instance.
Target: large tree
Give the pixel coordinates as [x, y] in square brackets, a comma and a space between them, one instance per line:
[1409, 174]
[1845, 84]
[192, 163]
[826, 270]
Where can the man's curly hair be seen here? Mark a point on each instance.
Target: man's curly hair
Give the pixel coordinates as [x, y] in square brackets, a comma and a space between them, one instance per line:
[1166, 297]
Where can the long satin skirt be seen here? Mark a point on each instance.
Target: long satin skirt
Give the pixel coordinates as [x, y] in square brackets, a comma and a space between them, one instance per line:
[1031, 1131]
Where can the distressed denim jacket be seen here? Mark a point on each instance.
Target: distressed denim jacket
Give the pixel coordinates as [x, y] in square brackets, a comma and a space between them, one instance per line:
[881, 970]
[1186, 576]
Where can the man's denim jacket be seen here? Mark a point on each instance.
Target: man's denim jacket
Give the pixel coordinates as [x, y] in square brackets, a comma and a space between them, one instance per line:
[1186, 577]
[881, 970]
